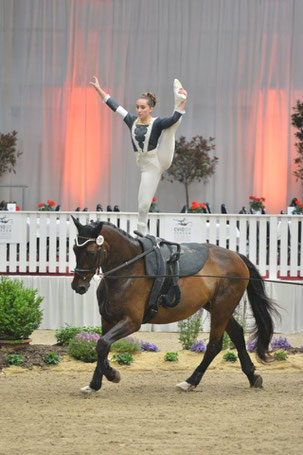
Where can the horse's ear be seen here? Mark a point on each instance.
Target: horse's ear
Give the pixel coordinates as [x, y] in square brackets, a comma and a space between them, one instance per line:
[97, 229]
[77, 223]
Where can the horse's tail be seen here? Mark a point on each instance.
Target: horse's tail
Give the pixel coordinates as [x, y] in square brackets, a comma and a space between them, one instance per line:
[262, 307]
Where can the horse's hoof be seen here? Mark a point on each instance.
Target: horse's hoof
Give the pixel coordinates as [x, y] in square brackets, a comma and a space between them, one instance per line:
[117, 377]
[87, 390]
[258, 383]
[185, 386]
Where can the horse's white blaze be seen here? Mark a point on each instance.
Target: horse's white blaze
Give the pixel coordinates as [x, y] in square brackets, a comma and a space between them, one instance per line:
[185, 386]
[87, 390]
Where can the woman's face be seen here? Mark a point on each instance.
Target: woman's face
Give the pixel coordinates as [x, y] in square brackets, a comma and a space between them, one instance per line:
[143, 109]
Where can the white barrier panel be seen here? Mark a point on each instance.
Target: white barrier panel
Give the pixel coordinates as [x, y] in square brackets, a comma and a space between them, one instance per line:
[61, 305]
[42, 242]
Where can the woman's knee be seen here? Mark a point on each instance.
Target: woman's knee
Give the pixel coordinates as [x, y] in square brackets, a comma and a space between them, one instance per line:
[143, 206]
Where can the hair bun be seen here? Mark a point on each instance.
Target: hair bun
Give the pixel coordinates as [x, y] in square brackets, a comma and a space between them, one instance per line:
[152, 97]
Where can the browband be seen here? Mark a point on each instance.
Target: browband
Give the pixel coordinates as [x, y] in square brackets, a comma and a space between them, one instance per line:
[99, 240]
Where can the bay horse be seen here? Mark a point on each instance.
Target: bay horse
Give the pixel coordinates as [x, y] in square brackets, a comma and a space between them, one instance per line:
[123, 301]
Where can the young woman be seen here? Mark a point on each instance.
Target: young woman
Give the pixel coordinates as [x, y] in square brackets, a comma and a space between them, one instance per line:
[153, 140]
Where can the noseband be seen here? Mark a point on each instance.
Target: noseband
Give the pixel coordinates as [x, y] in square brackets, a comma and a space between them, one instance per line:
[99, 241]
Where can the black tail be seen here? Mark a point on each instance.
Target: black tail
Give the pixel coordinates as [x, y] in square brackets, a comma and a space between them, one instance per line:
[263, 308]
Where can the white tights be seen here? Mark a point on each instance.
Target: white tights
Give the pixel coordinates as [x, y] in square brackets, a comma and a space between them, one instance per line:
[151, 165]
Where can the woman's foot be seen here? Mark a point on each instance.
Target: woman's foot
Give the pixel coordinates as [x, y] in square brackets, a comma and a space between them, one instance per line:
[142, 228]
[179, 92]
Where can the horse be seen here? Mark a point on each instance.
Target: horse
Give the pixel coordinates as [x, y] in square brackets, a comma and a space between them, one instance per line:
[124, 290]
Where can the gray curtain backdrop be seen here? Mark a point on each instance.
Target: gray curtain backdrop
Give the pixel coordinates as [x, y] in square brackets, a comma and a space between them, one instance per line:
[241, 61]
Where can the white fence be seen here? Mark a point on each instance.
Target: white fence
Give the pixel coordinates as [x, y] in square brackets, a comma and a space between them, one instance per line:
[42, 242]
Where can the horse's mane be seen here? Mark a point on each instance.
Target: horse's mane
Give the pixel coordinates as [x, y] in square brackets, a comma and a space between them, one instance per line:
[125, 234]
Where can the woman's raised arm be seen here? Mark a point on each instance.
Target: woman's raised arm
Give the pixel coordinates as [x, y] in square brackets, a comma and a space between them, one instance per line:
[97, 87]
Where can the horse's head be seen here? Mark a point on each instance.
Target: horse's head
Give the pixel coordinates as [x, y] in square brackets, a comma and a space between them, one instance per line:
[88, 249]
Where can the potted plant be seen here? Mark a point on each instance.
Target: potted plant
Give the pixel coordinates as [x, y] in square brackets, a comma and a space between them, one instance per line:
[193, 162]
[20, 312]
[153, 205]
[298, 208]
[197, 207]
[297, 122]
[49, 206]
[8, 152]
[256, 204]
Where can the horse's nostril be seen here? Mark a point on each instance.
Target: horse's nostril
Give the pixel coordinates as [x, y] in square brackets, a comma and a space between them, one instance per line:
[81, 289]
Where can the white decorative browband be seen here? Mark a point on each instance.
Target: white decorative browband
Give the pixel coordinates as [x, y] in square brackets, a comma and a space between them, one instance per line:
[99, 240]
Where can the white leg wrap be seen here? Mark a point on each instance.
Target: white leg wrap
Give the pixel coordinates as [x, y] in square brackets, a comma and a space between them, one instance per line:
[87, 390]
[185, 386]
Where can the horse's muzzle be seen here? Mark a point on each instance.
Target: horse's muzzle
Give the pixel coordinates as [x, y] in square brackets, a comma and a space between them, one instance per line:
[79, 288]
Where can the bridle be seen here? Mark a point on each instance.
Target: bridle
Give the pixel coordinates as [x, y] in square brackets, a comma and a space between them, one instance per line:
[99, 241]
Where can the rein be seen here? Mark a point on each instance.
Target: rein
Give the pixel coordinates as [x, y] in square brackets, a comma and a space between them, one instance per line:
[131, 261]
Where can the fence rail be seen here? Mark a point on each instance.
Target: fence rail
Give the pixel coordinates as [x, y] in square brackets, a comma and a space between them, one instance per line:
[42, 242]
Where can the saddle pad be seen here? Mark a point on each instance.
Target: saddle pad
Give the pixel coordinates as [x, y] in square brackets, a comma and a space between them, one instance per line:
[192, 257]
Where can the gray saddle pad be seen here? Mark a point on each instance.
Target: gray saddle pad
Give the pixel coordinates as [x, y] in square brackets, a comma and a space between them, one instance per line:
[192, 257]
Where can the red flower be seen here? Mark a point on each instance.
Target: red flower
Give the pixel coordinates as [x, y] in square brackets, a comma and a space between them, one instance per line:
[297, 202]
[154, 199]
[302, 205]
[51, 203]
[17, 208]
[41, 205]
[194, 205]
[203, 206]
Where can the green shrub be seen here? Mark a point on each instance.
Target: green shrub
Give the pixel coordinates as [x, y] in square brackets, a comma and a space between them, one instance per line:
[171, 357]
[83, 346]
[189, 330]
[51, 358]
[127, 344]
[20, 312]
[15, 359]
[280, 355]
[123, 359]
[230, 357]
[65, 335]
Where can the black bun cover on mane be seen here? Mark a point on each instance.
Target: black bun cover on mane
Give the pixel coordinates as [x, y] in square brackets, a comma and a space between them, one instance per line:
[91, 230]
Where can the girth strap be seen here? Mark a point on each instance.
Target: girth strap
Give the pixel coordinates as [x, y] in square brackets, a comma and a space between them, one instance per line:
[165, 291]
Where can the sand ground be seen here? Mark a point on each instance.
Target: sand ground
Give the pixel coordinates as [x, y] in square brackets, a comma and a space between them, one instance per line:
[43, 412]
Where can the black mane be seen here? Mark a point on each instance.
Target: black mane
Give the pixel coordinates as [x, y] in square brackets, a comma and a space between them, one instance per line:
[124, 233]
[90, 230]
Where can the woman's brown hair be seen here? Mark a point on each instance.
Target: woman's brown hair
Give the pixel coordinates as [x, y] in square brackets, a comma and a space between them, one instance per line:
[150, 97]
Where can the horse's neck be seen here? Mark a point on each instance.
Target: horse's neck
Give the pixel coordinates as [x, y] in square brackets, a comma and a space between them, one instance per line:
[119, 247]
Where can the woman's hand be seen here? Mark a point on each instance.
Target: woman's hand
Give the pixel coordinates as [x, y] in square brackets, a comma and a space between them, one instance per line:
[183, 103]
[97, 87]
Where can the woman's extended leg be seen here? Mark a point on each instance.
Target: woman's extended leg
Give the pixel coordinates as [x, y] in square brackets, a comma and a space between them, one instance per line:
[166, 146]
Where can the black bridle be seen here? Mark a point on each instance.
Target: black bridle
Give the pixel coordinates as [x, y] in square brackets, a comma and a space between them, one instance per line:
[80, 272]
[99, 241]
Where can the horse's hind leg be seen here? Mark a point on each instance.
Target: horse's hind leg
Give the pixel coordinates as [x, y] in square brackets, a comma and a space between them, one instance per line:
[213, 348]
[235, 332]
[227, 297]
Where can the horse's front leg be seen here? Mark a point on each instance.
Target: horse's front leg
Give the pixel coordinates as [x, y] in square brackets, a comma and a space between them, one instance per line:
[122, 329]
